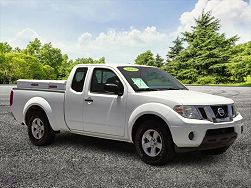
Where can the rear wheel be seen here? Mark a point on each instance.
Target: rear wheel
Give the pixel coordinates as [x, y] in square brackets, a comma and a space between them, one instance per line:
[217, 151]
[39, 130]
[153, 143]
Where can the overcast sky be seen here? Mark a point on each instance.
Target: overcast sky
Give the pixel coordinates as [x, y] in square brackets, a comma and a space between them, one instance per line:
[117, 30]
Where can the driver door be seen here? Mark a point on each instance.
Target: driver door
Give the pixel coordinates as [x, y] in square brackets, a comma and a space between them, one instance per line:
[104, 113]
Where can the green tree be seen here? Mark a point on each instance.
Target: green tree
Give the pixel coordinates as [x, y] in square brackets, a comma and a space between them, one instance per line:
[34, 62]
[240, 62]
[207, 52]
[20, 66]
[89, 60]
[145, 58]
[158, 62]
[49, 72]
[51, 59]
[172, 66]
[50, 56]
[100, 61]
[63, 70]
[175, 49]
[4, 63]
[33, 48]
[5, 47]
[37, 61]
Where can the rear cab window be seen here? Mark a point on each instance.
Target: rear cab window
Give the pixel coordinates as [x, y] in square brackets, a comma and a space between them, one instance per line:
[79, 79]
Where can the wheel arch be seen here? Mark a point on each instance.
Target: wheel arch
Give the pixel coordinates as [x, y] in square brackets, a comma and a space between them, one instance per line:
[31, 111]
[37, 104]
[148, 111]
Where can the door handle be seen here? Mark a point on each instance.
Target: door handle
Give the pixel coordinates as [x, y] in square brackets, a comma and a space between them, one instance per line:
[89, 100]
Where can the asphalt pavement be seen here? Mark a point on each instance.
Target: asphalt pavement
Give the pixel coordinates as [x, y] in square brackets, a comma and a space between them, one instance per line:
[81, 161]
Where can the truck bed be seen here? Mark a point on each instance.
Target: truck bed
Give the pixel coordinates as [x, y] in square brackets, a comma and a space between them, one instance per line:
[42, 84]
[50, 93]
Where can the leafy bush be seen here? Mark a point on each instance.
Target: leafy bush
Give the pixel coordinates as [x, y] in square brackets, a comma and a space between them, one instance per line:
[189, 75]
[186, 82]
[206, 80]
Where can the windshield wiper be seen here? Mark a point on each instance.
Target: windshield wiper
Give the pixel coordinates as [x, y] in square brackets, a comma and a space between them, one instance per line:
[147, 89]
[173, 88]
[159, 89]
[170, 89]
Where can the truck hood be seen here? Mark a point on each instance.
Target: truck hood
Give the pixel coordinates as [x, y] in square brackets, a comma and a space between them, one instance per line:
[186, 97]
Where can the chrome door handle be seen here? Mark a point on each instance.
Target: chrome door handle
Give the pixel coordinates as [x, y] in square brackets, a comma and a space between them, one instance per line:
[89, 100]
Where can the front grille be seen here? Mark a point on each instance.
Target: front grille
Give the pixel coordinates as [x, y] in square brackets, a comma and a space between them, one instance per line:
[202, 112]
[234, 112]
[220, 111]
[232, 108]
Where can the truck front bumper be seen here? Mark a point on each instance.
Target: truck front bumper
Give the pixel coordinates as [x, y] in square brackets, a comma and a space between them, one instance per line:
[191, 135]
[215, 138]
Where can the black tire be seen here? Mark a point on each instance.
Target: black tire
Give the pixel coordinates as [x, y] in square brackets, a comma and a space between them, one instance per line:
[166, 153]
[48, 134]
[216, 151]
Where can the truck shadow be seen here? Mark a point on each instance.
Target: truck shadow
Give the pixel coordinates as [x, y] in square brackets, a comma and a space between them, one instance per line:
[123, 148]
[80, 141]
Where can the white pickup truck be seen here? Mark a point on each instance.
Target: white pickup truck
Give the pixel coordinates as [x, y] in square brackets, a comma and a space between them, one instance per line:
[138, 104]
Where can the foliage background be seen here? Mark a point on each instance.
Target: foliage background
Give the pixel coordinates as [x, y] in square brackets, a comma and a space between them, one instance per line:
[202, 56]
[205, 56]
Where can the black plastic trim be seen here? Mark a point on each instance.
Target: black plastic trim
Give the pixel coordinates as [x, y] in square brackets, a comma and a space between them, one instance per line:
[45, 90]
[221, 138]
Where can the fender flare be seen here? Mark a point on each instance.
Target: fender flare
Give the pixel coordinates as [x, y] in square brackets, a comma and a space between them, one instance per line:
[157, 109]
[42, 103]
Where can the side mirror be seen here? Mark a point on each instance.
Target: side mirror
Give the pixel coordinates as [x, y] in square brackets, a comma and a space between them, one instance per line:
[113, 88]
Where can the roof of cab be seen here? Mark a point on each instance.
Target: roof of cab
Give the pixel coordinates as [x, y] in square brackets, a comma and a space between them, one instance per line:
[113, 65]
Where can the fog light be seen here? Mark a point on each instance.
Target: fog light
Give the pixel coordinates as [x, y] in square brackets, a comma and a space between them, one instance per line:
[241, 129]
[191, 136]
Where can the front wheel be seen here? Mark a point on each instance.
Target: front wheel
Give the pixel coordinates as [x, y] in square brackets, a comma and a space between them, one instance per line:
[153, 142]
[39, 130]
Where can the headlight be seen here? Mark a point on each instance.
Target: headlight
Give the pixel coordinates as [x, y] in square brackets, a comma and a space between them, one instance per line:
[234, 110]
[190, 112]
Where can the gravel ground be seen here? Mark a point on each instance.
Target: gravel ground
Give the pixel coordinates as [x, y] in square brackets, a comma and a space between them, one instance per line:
[80, 161]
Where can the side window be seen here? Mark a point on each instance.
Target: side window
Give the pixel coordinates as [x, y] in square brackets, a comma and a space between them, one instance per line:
[102, 76]
[79, 79]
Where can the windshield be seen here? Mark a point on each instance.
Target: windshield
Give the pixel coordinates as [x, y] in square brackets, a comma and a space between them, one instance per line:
[149, 79]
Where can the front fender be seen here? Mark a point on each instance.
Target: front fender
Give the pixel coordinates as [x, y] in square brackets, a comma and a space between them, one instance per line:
[157, 109]
[41, 102]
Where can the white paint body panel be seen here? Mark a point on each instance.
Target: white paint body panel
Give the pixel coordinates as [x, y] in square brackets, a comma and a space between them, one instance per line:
[106, 114]
[113, 117]
[51, 102]
[74, 106]
[186, 97]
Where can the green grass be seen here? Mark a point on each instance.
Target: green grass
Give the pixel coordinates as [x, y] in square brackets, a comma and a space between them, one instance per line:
[234, 84]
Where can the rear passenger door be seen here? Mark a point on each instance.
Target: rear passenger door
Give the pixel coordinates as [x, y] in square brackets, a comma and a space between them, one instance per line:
[74, 99]
[104, 112]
